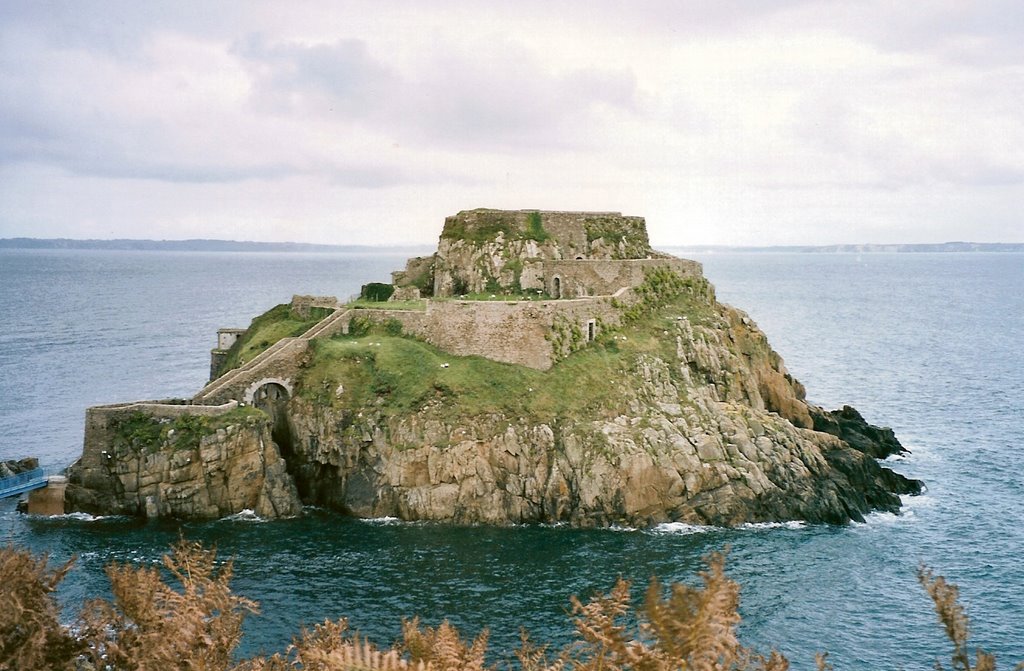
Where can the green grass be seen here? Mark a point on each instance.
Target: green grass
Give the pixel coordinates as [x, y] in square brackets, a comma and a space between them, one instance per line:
[401, 375]
[144, 433]
[534, 228]
[265, 330]
[486, 227]
[531, 295]
[363, 304]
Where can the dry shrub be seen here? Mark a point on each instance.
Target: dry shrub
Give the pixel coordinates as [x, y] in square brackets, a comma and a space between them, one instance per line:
[330, 647]
[442, 649]
[31, 636]
[151, 625]
[195, 623]
[946, 598]
[693, 628]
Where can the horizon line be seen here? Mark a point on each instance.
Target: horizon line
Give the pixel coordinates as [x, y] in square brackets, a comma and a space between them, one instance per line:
[312, 246]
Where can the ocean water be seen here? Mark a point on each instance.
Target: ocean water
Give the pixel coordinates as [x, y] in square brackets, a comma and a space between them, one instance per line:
[927, 344]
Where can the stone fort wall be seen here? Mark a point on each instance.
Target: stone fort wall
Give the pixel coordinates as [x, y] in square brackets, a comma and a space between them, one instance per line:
[599, 277]
[520, 332]
[517, 332]
[92, 470]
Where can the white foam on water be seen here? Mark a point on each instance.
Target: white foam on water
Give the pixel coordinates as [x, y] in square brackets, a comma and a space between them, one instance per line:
[792, 524]
[245, 515]
[382, 521]
[684, 529]
[911, 502]
[616, 527]
[77, 517]
[880, 518]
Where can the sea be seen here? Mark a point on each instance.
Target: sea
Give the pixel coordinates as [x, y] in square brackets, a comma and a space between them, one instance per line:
[929, 344]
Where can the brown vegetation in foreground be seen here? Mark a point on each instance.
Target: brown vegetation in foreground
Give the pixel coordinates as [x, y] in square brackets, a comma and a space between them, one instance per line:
[193, 621]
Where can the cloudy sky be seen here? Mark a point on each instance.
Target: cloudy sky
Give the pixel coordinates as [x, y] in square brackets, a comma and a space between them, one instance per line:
[368, 122]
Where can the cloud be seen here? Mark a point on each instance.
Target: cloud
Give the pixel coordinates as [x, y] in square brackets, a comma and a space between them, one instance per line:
[496, 94]
[750, 122]
[484, 94]
[321, 79]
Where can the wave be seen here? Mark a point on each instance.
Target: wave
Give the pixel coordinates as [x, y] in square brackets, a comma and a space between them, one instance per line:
[78, 517]
[792, 524]
[383, 521]
[683, 528]
[244, 515]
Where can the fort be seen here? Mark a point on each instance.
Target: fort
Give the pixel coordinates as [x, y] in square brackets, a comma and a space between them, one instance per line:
[350, 404]
[524, 287]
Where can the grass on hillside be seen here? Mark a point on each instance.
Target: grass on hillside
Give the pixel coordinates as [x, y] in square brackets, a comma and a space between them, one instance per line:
[406, 374]
[144, 433]
[271, 326]
[364, 304]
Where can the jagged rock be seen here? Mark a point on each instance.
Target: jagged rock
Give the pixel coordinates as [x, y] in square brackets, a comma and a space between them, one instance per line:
[227, 472]
[705, 425]
[16, 466]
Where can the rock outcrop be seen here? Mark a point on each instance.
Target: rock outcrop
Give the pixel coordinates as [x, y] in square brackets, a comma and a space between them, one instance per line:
[713, 431]
[12, 467]
[207, 475]
[641, 400]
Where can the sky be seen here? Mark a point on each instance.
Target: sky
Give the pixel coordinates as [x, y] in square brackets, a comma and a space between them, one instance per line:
[344, 122]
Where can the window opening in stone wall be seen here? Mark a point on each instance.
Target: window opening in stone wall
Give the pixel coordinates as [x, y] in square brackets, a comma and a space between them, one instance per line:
[556, 287]
[591, 330]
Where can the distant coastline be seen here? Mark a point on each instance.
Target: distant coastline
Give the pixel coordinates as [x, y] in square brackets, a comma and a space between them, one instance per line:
[203, 245]
[858, 249]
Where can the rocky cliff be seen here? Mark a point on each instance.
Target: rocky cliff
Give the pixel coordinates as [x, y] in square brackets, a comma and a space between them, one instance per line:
[683, 414]
[662, 405]
[192, 468]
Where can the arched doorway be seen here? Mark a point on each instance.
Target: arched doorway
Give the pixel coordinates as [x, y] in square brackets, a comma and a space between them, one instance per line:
[556, 287]
[272, 398]
[269, 395]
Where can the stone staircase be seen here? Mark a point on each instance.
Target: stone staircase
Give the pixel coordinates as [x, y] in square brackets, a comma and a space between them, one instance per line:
[268, 363]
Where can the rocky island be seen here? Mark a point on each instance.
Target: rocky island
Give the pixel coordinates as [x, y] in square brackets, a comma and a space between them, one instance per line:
[538, 367]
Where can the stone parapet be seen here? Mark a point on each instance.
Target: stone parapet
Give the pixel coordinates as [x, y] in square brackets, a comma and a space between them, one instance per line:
[601, 277]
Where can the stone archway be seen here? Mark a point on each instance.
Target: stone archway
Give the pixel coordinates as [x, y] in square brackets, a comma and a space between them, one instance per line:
[271, 395]
[556, 287]
[279, 383]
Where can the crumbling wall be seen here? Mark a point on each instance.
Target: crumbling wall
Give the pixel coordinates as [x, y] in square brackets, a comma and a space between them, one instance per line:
[418, 274]
[489, 250]
[604, 277]
[302, 305]
[518, 332]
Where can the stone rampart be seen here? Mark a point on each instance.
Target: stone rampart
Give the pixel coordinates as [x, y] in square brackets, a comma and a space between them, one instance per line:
[533, 333]
[600, 277]
[517, 332]
[574, 233]
[223, 472]
[511, 332]
[302, 304]
[412, 321]
[283, 363]
[92, 470]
